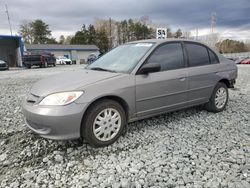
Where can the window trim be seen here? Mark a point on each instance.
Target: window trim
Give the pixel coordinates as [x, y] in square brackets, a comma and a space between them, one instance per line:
[163, 44]
[216, 57]
[207, 49]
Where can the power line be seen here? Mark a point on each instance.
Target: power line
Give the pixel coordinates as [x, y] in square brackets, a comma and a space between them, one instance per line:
[7, 12]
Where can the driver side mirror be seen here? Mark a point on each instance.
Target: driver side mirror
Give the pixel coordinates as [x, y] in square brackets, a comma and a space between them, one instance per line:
[149, 68]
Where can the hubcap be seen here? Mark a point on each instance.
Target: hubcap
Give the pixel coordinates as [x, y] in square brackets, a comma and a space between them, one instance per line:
[107, 124]
[220, 97]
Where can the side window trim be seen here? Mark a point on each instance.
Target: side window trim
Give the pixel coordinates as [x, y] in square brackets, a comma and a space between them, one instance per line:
[215, 55]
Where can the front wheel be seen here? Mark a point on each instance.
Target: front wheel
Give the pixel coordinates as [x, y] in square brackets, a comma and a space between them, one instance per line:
[103, 123]
[218, 99]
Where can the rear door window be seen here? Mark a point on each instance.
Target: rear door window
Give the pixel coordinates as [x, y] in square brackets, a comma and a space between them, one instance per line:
[197, 54]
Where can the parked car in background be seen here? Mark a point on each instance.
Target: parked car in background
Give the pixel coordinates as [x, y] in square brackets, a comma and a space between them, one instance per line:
[61, 60]
[3, 65]
[133, 81]
[232, 58]
[240, 59]
[245, 61]
[91, 58]
[39, 58]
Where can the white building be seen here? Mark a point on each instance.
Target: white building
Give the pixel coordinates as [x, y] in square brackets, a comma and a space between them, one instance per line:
[77, 53]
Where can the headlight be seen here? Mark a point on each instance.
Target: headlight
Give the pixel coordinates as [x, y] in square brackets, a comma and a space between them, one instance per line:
[62, 98]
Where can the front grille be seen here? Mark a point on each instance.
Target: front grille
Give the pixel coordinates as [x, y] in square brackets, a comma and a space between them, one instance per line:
[3, 65]
[32, 98]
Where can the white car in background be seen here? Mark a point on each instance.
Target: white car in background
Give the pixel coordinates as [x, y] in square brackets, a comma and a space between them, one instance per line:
[61, 60]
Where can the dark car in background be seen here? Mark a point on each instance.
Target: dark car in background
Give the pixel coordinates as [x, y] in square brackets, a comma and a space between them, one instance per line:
[91, 58]
[3, 65]
[39, 58]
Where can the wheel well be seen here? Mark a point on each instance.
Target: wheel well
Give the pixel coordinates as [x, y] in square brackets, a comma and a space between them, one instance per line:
[114, 98]
[225, 81]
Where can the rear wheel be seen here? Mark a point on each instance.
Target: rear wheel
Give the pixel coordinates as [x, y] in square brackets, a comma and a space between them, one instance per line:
[104, 123]
[218, 99]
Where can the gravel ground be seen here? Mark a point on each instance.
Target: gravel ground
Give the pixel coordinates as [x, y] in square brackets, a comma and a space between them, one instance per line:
[188, 148]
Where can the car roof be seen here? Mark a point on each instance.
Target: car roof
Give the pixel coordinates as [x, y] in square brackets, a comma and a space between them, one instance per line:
[159, 41]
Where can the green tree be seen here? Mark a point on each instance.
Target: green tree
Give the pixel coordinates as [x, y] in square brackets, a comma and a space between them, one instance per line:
[68, 40]
[51, 41]
[62, 39]
[102, 40]
[41, 32]
[25, 30]
[231, 46]
[36, 32]
[178, 33]
[169, 33]
[91, 35]
[81, 37]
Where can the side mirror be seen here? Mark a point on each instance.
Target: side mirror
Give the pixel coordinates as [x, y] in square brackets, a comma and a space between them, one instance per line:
[149, 68]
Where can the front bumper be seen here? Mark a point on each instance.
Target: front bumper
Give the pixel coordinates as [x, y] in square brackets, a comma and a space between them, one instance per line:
[55, 122]
[4, 68]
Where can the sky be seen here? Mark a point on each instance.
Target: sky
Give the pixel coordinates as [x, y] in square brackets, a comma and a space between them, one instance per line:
[66, 17]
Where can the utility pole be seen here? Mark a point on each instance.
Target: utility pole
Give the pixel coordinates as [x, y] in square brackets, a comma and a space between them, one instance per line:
[197, 34]
[213, 21]
[7, 12]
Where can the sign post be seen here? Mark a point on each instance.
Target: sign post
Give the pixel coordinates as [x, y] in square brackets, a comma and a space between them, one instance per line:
[161, 33]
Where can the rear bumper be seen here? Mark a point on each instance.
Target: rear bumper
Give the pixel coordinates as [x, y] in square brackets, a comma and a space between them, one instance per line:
[57, 122]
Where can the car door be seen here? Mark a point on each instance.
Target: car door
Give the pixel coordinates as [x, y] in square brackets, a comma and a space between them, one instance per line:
[164, 90]
[201, 72]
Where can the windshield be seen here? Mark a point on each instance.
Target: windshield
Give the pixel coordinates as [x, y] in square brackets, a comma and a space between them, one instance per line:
[122, 58]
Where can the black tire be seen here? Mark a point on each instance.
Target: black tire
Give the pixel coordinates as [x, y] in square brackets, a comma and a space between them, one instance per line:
[90, 116]
[211, 105]
[28, 66]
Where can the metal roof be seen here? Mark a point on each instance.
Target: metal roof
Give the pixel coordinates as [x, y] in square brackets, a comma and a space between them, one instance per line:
[61, 47]
[10, 37]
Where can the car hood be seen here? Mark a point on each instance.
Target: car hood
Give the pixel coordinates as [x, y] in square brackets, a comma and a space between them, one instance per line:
[73, 80]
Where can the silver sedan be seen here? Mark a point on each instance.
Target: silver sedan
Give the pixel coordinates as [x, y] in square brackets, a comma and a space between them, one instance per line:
[133, 81]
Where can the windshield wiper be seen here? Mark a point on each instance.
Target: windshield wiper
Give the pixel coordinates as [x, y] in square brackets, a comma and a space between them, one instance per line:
[101, 69]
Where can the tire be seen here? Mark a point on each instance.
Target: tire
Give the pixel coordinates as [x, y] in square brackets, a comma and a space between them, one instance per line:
[28, 66]
[98, 138]
[215, 106]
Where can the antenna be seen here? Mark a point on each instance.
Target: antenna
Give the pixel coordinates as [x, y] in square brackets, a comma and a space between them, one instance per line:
[7, 12]
[213, 21]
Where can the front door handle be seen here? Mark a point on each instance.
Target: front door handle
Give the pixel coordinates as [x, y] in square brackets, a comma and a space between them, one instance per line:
[182, 79]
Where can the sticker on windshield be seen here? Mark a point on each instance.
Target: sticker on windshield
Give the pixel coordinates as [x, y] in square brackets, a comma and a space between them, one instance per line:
[143, 44]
